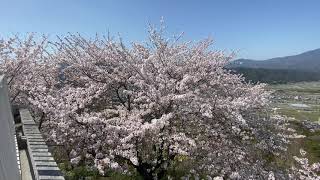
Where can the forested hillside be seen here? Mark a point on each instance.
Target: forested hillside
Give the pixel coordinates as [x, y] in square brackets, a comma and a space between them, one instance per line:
[275, 76]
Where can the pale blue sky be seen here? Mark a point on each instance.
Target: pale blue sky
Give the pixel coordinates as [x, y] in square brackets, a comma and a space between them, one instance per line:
[255, 28]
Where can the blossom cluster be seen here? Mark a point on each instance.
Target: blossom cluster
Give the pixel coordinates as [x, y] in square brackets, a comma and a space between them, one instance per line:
[144, 107]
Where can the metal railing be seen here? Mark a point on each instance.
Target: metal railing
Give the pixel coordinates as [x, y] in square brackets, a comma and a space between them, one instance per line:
[9, 168]
[42, 164]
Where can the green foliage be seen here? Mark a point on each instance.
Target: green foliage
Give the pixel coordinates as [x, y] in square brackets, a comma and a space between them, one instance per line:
[312, 145]
[84, 172]
[75, 173]
[119, 176]
[180, 167]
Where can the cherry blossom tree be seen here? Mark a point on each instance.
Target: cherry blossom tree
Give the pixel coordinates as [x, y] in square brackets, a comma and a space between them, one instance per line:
[150, 107]
[31, 74]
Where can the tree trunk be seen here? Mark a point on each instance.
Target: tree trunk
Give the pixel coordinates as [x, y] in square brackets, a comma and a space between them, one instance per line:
[41, 120]
[144, 172]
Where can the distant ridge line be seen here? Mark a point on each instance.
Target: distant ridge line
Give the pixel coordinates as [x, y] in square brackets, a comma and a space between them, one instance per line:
[308, 61]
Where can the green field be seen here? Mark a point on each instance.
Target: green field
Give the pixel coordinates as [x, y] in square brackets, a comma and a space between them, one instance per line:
[298, 102]
[306, 94]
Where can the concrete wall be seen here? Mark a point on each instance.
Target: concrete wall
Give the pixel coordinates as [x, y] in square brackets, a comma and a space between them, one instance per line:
[43, 165]
[8, 159]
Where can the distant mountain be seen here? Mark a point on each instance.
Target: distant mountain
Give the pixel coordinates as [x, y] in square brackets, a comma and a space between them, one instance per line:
[308, 61]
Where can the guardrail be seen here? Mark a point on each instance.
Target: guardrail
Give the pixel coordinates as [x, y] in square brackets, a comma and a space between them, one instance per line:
[9, 168]
[42, 164]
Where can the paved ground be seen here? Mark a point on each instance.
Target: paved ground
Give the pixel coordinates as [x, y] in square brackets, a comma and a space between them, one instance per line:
[25, 167]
